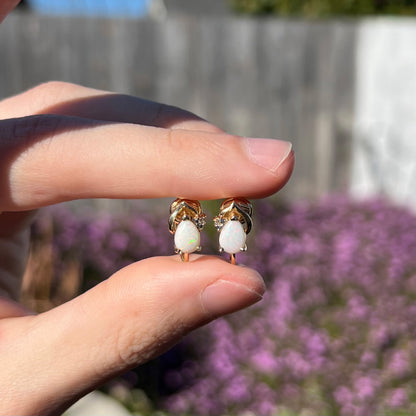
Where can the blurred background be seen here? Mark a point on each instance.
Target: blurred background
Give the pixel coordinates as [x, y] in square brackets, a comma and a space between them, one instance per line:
[342, 89]
[338, 80]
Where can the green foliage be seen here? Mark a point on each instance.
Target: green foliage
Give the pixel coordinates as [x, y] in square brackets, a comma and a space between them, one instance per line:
[325, 8]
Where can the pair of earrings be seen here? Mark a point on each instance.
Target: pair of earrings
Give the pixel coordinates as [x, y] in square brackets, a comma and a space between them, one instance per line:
[233, 223]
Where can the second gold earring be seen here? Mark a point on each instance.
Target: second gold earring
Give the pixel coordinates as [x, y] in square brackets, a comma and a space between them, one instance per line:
[234, 223]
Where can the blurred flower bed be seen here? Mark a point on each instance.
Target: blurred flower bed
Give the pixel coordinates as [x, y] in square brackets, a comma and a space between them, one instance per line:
[334, 335]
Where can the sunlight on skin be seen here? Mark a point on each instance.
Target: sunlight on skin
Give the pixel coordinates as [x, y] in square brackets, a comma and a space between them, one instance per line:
[69, 350]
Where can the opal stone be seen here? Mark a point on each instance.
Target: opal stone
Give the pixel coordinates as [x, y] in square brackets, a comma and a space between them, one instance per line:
[187, 237]
[232, 237]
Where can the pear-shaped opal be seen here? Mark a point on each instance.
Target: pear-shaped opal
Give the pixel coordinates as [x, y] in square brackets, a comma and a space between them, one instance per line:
[232, 237]
[187, 237]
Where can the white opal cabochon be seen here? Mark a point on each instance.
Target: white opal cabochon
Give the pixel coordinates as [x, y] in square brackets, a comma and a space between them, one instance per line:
[187, 237]
[232, 237]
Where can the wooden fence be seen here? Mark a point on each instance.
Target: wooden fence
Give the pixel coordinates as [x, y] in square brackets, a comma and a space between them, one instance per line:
[254, 77]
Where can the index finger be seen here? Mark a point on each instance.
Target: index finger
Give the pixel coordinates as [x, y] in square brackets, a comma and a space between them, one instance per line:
[48, 159]
[6, 6]
[66, 99]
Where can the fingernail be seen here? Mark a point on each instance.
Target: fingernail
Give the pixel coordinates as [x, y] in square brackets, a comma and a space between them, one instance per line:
[224, 297]
[268, 153]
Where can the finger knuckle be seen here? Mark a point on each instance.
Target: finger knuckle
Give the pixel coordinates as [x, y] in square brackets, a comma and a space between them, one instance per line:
[144, 328]
[50, 88]
[136, 345]
[50, 92]
[29, 156]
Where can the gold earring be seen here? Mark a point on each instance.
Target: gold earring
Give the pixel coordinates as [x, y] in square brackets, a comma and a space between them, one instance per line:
[234, 223]
[185, 222]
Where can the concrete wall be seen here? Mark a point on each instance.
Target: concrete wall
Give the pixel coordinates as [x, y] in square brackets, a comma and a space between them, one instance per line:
[384, 150]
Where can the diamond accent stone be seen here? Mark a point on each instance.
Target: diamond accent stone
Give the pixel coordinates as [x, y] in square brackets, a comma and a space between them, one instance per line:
[219, 223]
[200, 222]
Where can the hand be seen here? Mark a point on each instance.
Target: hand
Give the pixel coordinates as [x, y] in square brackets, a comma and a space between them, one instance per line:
[6, 6]
[61, 142]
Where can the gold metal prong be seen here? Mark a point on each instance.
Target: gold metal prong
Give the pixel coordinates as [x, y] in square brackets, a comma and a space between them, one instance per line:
[232, 258]
[185, 257]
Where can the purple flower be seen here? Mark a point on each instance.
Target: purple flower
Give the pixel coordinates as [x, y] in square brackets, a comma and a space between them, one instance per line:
[397, 398]
[365, 388]
[368, 359]
[343, 395]
[238, 390]
[335, 333]
[337, 323]
[399, 363]
[265, 362]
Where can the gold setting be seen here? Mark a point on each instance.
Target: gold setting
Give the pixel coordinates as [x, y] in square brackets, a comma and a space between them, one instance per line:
[182, 210]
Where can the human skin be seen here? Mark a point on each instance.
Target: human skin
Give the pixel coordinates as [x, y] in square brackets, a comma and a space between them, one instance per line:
[61, 142]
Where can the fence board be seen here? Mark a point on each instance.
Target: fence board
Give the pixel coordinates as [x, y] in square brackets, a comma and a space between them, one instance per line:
[254, 77]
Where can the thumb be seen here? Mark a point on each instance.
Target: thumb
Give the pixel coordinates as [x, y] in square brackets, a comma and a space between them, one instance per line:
[128, 319]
